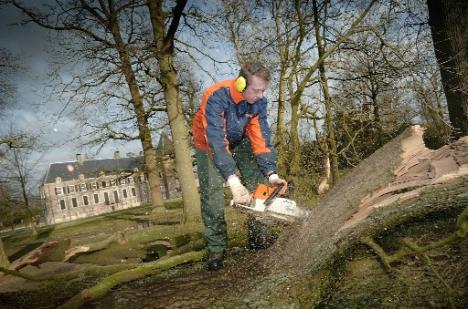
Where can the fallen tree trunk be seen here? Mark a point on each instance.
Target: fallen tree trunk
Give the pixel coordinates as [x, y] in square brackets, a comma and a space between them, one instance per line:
[346, 214]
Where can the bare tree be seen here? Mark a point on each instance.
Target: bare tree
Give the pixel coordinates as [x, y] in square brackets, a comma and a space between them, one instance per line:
[5, 210]
[9, 65]
[449, 27]
[17, 170]
[108, 33]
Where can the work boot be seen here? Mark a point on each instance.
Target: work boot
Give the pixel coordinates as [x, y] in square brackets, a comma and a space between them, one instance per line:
[215, 260]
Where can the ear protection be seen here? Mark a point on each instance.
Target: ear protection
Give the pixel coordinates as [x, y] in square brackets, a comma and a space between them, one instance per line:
[240, 83]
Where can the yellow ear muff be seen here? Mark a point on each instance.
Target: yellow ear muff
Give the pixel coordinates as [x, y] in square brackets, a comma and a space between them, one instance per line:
[241, 83]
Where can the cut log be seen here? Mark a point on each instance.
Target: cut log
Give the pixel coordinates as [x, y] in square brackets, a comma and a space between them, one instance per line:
[60, 251]
[52, 251]
[94, 247]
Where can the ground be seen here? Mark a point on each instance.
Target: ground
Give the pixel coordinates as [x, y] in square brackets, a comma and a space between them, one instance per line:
[404, 195]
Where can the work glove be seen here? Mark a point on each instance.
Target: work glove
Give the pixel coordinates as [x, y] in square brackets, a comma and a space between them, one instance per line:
[275, 180]
[240, 195]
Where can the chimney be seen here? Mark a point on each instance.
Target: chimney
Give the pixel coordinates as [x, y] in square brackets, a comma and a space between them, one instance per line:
[79, 159]
[116, 155]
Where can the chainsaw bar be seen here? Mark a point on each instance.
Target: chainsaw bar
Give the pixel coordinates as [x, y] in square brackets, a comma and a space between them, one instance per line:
[280, 208]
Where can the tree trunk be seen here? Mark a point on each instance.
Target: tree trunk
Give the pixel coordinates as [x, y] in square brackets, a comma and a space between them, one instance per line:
[181, 142]
[331, 141]
[376, 111]
[141, 116]
[449, 27]
[295, 149]
[4, 262]
[163, 53]
[164, 178]
[281, 126]
[29, 214]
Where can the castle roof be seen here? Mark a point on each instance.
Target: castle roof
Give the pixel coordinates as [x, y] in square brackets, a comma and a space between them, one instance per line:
[92, 168]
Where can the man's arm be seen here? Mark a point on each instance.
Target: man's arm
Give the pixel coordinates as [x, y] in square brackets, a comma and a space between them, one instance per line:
[259, 135]
[216, 135]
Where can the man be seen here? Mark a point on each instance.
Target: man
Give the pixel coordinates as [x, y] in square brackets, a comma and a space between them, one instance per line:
[231, 130]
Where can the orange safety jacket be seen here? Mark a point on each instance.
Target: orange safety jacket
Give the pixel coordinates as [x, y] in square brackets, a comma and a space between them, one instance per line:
[224, 119]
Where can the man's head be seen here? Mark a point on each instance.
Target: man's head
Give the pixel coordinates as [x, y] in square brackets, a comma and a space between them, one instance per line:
[258, 77]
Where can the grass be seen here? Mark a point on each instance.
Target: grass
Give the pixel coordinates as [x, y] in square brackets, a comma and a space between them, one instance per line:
[138, 224]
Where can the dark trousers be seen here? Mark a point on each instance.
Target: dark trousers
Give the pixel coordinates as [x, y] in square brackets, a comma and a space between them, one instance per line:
[212, 192]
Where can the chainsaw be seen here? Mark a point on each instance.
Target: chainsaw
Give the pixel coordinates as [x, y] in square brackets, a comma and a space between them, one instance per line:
[265, 202]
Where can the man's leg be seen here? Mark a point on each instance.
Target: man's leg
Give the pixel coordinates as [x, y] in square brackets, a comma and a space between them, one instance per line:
[258, 234]
[212, 207]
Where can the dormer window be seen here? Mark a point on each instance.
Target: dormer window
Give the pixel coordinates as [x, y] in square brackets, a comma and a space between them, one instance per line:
[58, 179]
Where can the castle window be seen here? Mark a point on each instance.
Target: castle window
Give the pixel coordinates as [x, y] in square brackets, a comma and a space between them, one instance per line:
[133, 192]
[104, 184]
[74, 202]
[112, 182]
[94, 185]
[124, 191]
[85, 200]
[106, 198]
[116, 196]
[71, 189]
[96, 198]
[83, 187]
[62, 205]
[58, 191]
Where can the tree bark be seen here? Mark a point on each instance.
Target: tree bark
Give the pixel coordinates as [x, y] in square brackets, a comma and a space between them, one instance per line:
[449, 27]
[295, 150]
[163, 53]
[281, 129]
